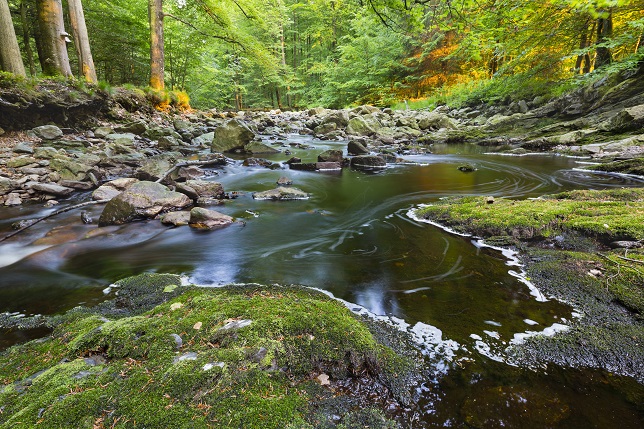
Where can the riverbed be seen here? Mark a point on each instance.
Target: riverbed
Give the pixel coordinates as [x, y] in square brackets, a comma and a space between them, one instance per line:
[354, 239]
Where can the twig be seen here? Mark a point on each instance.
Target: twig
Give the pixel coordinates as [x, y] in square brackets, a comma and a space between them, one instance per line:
[57, 212]
[621, 265]
[630, 260]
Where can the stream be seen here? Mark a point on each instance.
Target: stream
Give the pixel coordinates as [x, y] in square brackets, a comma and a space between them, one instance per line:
[355, 239]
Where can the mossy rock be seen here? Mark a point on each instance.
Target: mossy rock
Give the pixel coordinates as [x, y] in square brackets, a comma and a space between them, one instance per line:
[238, 356]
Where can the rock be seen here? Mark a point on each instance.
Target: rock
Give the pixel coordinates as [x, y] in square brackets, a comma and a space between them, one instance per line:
[256, 148]
[257, 162]
[363, 126]
[190, 172]
[52, 189]
[69, 169]
[489, 200]
[46, 152]
[201, 218]
[102, 132]
[111, 189]
[135, 127]
[181, 126]
[282, 181]
[21, 161]
[206, 189]
[168, 143]
[304, 166]
[324, 129]
[5, 185]
[24, 147]
[203, 140]
[187, 191]
[356, 148]
[176, 218]
[435, 121]
[75, 184]
[466, 168]
[628, 119]
[125, 139]
[328, 166]
[232, 135]
[157, 166]
[294, 160]
[330, 156]
[141, 200]
[338, 117]
[48, 132]
[523, 106]
[368, 162]
[282, 194]
[86, 218]
[13, 199]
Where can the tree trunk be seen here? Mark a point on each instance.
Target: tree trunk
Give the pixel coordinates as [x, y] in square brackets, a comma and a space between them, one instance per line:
[77, 21]
[54, 60]
[604, 32]
[157, 61]
[10, 58]
[24, 20]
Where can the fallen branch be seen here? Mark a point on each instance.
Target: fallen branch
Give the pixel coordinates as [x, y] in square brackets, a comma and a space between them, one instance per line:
[57, 212]
[630, 267]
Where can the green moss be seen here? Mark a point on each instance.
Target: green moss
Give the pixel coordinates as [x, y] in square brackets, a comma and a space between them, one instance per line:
[129, 372]
[613, 214]
[628, 166]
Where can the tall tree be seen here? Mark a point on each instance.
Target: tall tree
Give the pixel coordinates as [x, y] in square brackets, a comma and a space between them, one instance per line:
[81, 38]
[53, 38]
[157, 61]
[604, 33]
[10, 58]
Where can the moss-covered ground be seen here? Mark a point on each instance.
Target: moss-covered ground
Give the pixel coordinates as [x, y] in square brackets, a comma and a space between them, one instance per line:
[609, 215]
[627, 166]
[241, 356]
[563, 240]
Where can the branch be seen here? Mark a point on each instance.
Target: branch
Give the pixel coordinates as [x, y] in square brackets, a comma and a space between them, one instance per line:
[214, 36]
[57, 212]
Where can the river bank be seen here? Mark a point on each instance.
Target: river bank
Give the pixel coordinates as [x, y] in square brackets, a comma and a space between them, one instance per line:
[581, 247]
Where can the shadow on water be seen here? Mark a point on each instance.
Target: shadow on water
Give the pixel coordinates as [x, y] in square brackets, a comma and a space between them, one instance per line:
[354, 239]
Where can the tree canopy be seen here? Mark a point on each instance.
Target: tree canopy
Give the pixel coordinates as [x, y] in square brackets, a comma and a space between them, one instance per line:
[298, 53]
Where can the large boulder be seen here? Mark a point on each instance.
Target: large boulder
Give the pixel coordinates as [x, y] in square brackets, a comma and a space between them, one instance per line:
[141, 200]
[69, 169]
[206, 189]
[112, 189]
[5, 185]
[281, 193]
[435, 121]
[48, 132]
[232, 135]
[356, 148]
[330, 156]
[256, 148]
[363, 126]
[201, 218]
[338, 117]
[155, 167]
[368, 162]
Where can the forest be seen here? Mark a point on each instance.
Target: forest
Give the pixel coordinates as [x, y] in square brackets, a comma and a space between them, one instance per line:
[334, 53]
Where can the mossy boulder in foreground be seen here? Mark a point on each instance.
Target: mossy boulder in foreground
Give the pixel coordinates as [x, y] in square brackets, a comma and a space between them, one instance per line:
[240, 356]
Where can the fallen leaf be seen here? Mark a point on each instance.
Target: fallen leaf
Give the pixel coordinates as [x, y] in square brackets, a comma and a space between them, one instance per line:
[176, 306]
[324, 379]
[197, 325]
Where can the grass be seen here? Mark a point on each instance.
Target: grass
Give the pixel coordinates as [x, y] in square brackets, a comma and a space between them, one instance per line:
[262, 375]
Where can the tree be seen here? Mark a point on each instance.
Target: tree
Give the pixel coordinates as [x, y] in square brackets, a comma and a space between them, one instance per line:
[157, 61]
[10, 59]
[604, 33]
[79, 29]
[53, 39]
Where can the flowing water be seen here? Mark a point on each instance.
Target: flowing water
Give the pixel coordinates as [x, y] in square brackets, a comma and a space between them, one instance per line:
[355, 239]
